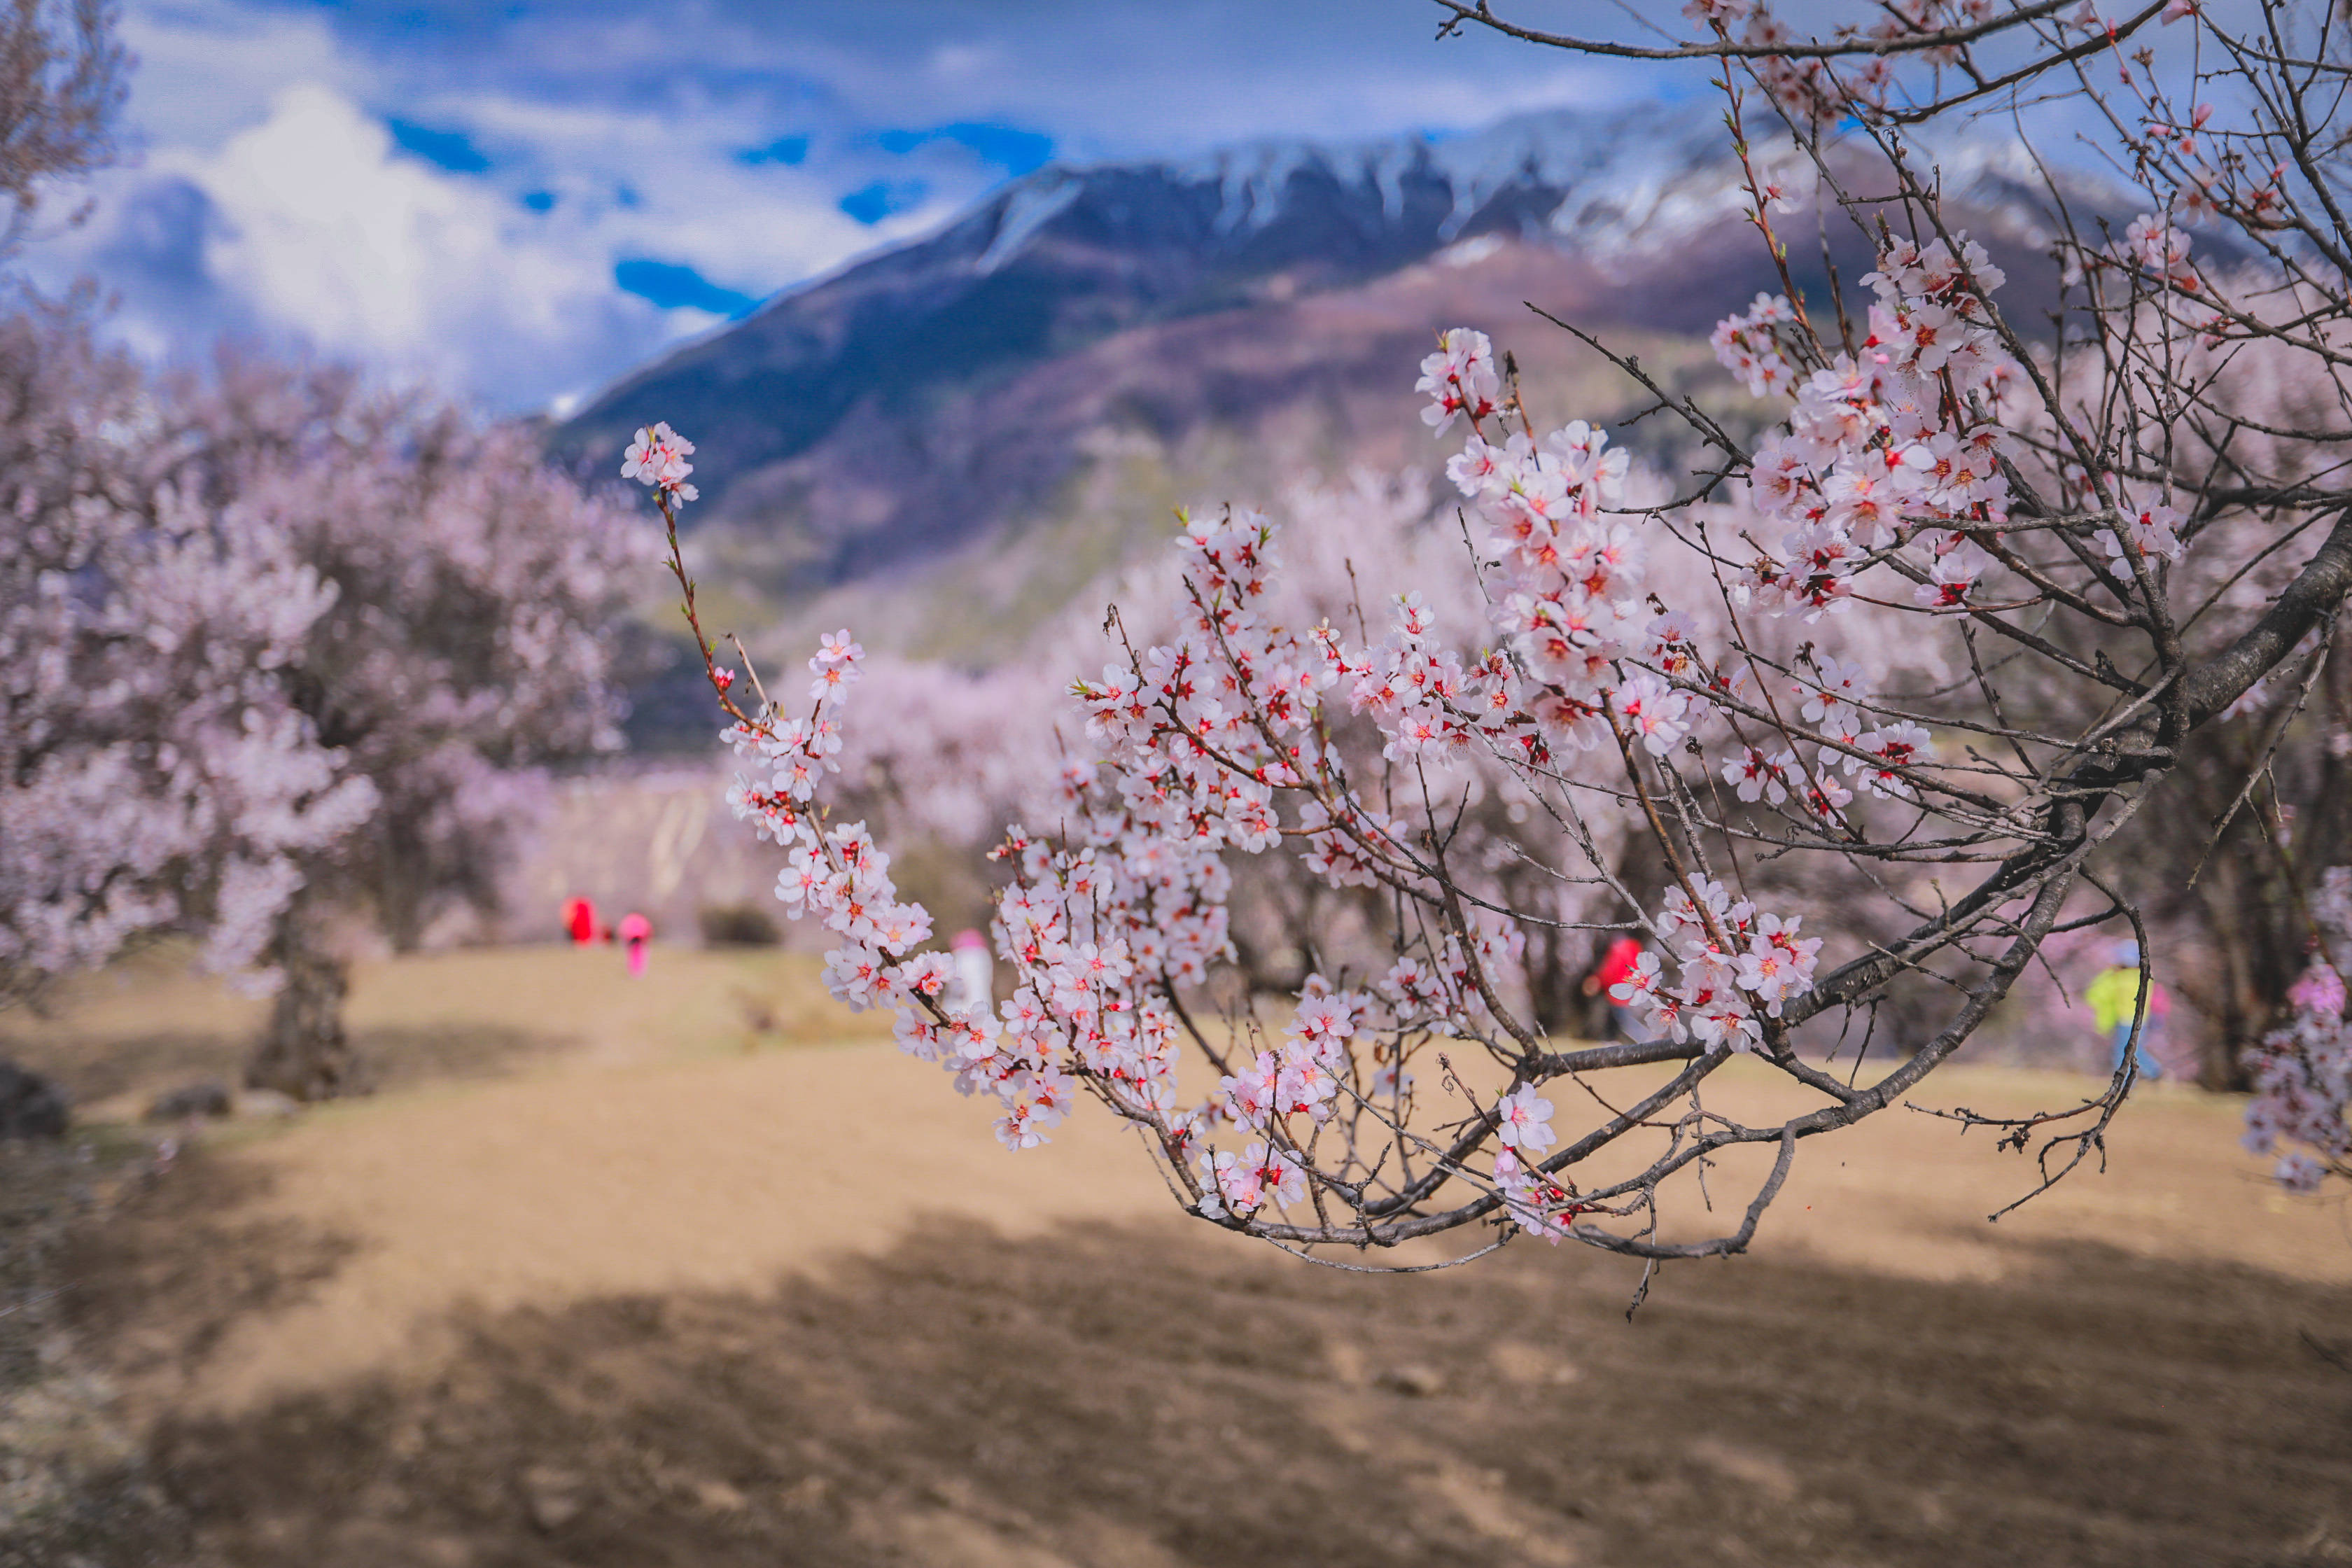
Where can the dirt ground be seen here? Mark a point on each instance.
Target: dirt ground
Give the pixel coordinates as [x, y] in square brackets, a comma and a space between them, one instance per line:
[115, 1040]
[680, 1284]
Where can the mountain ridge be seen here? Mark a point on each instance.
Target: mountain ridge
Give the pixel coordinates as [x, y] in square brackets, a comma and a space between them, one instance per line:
[1069, 254]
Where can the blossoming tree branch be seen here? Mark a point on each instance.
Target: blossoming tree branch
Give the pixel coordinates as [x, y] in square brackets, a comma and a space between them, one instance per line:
[1886, 682]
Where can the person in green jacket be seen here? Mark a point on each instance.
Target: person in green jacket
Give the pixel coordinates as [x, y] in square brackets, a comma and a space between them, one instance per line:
[2114, 996]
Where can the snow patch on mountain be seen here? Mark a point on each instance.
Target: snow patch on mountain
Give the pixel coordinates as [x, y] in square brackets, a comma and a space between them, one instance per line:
[1028, 207]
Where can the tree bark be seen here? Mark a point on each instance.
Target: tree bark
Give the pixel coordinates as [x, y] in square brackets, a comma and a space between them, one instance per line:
[304, 1052]
[1553, 998]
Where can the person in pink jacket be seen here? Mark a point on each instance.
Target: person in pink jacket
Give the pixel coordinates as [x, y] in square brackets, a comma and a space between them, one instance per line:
[636, 934]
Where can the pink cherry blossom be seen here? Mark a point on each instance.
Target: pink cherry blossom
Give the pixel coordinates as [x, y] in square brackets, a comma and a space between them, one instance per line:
[1523, 1120]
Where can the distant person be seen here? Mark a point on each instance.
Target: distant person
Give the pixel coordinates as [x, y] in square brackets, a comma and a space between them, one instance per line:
[579, 921]
[975, 972]
[2114, 996]
[1616, 966]
[636, 933]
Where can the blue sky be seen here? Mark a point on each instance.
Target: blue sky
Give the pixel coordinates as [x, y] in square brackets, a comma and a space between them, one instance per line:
[521, 200]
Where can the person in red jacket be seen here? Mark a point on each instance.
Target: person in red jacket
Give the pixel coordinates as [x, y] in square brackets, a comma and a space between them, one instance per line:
[579, 921]
[1616, 964]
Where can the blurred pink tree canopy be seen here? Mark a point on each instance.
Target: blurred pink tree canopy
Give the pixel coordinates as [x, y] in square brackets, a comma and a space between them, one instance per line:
[276, 645]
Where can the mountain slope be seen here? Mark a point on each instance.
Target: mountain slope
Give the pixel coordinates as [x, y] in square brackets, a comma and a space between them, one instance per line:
[1018, 397]
[1066, 257]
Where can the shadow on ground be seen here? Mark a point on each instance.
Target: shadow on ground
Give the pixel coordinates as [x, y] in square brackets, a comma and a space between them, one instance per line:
[1139, 1398]
[156, 1285]
[74, 1485]
[98, 1067]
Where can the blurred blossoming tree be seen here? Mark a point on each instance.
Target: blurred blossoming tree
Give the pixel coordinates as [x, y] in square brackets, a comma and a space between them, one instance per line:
[62, 75]
[274, 647]
[280, 649]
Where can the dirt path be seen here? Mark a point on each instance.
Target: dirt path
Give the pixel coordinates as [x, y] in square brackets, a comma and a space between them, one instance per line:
[118, 1038]
[560, 1187]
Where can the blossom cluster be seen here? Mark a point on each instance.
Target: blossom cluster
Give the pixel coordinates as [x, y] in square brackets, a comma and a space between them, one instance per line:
[2302, 1072]
[2160, 248]
[1748, 346]
[1460, 380]
[1600, 665]
[1537, 1204]
[1217, 741]
[1892, 455]
[656, 458]
[1222, 738]
[1736, 965]
[1107, 923]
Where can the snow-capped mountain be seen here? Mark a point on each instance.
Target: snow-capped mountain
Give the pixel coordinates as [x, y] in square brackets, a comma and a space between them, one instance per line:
[1160, 322]
[1066, 256]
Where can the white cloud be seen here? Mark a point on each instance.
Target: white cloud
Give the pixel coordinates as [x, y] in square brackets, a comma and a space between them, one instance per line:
[315, 231]
[266, 198]
[271, 198]
[749, 228]
[332, 236]
[309, 226]
[205, 71]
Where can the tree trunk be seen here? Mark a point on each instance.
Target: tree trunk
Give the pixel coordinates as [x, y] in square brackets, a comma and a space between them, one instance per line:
[30, 1105]
[2237, 929]
[303, 1052]
[1552, 993]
